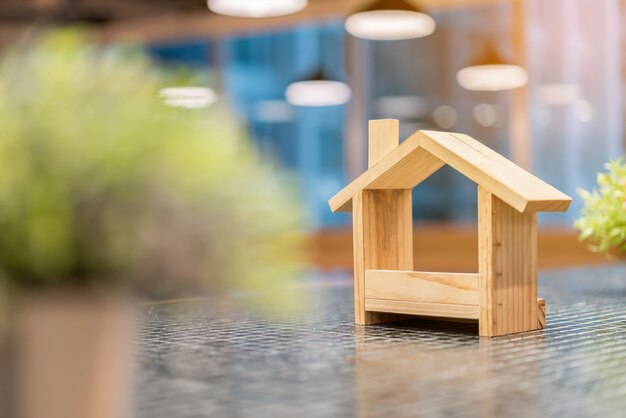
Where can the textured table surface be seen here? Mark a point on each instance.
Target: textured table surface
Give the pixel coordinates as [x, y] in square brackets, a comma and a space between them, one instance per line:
[196, 359]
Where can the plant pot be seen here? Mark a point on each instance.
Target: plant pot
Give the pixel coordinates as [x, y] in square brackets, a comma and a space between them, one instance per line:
[68, 356]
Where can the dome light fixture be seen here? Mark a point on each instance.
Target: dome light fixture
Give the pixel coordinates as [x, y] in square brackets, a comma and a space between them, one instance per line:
[490, 72]
[188, 97]
[318, 91]
[256, 8]
[390, 20]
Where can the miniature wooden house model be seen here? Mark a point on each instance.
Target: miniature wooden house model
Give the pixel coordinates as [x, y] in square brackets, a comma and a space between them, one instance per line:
[502, 296]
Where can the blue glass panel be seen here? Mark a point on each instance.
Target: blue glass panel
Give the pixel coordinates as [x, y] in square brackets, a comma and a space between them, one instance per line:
[307, 140]
[193, 53]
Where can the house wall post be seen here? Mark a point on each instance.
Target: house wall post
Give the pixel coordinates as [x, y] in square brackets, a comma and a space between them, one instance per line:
[507, 267]
[382, 225]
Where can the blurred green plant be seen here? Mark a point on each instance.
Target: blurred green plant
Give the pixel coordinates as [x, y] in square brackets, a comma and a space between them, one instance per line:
[603, 217]
[102, 184]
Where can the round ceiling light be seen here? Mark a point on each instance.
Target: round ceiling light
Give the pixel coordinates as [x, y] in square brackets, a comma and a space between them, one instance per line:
[492, 77]
[490, 72]
[318, 92]
[390, 20]
[188, 97]
[256, 8]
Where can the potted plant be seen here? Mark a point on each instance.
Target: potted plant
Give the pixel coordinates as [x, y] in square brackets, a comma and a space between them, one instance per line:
[603, 218]
[105, 193]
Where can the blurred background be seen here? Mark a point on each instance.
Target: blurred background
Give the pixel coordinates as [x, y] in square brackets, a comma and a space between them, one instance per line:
[562, 120]
[190, 147]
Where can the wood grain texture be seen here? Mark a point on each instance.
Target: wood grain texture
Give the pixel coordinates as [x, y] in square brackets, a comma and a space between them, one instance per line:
[503, 178]
[388, 229]
[503, 295]
[414, 286]
[403, 168]
[384, 137]
[416, 167]
[425, 152]
[383, 224]
[452, 311]
[507, 266]
[443, 310]
[383, 239]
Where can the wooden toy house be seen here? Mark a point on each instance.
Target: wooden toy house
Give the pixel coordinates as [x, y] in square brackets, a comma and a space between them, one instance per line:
[502, 296]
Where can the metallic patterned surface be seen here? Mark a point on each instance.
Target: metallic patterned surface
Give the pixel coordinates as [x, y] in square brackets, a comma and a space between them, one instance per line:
[196, 359]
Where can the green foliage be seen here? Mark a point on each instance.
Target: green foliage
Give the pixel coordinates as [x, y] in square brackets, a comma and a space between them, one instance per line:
[603, 218]
[175, 75]
[100, 183]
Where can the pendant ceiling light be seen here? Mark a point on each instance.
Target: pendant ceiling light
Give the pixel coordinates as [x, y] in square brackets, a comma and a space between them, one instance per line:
[256, 8]
[318, 91]
[188, 97]
[490, 72]
[390, 20]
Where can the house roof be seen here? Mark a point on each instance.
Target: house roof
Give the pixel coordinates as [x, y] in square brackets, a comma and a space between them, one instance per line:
[425, 152]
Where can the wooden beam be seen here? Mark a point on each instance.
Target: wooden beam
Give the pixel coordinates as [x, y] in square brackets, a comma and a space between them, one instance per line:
[172, 27]
[384, 137]
[176, 26]
[383, 225]
[416, 286]
[507, 267]
[443, 310]
[155, 22]
[519, 188]
[383, 239]
[402, 168]
[424, 152]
